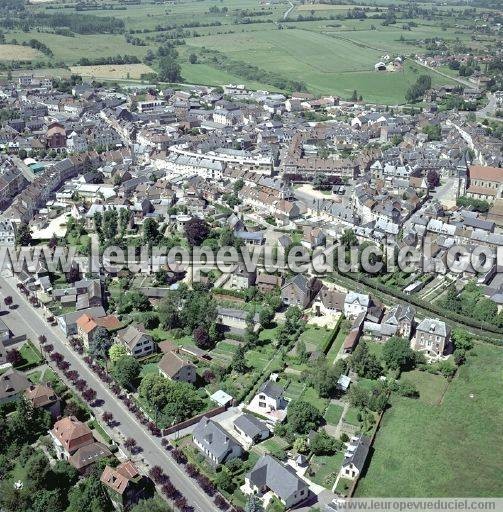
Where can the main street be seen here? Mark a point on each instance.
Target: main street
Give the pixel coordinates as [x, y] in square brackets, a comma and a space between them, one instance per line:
[30, 319]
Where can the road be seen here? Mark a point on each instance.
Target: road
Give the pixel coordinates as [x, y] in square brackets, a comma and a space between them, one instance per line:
[490, 109]
[288, 11]
[153, 452]
[464, 83]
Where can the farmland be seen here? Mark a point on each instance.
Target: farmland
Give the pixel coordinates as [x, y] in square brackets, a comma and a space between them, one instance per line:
[319, 45]
[424, 449]
[10, 52]
[113, 71]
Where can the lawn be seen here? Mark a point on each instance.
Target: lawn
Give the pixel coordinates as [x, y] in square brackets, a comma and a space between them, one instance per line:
[431, 387]
[46, 376]
[351, 416]
[223, 352]
[326, 469]
[31, 356]
[333, 414]
[448, 450]
[339, 340]
[315, 338]
[310, 395]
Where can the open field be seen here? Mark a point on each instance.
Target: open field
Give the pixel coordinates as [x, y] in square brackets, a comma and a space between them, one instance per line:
[443, 450]
[113, 71]
[331, 55]
[18, 52]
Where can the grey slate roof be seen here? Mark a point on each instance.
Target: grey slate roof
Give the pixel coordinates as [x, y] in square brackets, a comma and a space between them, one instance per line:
[250, 425]
[271, 390]
[214, 438]
[359, 454]
[280, 479]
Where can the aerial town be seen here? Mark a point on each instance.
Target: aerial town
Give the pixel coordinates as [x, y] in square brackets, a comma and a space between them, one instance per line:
[188, 387]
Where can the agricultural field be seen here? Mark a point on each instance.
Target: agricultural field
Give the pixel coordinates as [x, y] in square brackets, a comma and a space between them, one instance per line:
[424, 449]
[113, 71]
[10, 52]
[330, 54]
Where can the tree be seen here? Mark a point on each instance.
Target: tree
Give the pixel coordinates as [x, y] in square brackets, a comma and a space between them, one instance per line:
[193, 58]
[126, 370]
[224, 481]
[254, 504]
[397, 354]
[101, 342]
[196, 231]
[238, 362]
[348, 238]
[266, 316]
[14, 357]
[23, 235]
[300, 445]
[151, 505]
[37, 468]
[433, 179]
[107, 417]
[322, 444]
[462, 339]
[151, 233]
[130, 443]
[169, 69]
[364, 363]
[89, 496]
[8, 301]
[173, 400]
[116, 351]
[303, 417]
[201, 337]
[433, 131]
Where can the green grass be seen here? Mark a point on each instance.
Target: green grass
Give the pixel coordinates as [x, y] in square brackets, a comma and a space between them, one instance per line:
[326, 469]
[453, 449]
[431, 387]
[339, 340]
[311, 396]
[351, 416]
[314, 338]
[94, 425]
[148, 369]
[293, 389]
[31, 356]
[333, 414]
[46, 376]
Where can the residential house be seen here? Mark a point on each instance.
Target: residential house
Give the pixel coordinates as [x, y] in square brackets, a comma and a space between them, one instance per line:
[87, 326]
[432, 337]
[354, 457]
[215, 443]
[328, 302]
[267, 283]
[68, 323]
[270, 475]
[251, 429]
[401, 316]
[43, 396]
[355, 304]
[74, 442]
[175, 367]
[299, 291]
[270, 402]
[136, 340]
[124, 484]
[12, 384]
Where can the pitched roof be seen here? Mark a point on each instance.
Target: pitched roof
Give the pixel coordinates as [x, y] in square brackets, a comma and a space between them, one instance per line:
[40, 395]
[132, 334]
[478, 172]
[171, 363]
[271, 390]
[12, 382]
[89, 454]
[357, 452]
[118, 478]
[280, 479]
[250, 425]
[70, 428]
[217, 441]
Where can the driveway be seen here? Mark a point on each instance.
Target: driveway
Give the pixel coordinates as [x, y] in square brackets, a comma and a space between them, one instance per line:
[153, 452]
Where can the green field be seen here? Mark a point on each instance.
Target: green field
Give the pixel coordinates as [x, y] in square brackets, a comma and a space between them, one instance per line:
[444, 450]
[331, 56]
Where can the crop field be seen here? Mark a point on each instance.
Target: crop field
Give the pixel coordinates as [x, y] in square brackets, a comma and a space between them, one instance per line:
[331, 54]
[428, 450]
[113, 71]
[18, 52]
